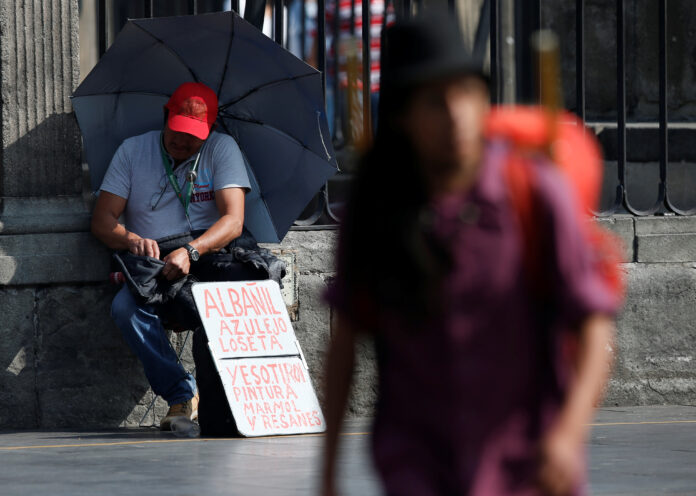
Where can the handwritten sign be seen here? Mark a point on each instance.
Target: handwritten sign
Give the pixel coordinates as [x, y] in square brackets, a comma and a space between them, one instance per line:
[245, 319]
[271, 396]
[258, 358]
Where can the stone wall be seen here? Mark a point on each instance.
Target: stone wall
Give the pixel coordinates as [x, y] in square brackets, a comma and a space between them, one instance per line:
[63, 363]
[656, 333]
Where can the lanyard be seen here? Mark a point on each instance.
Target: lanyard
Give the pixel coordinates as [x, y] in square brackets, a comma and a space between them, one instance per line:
[190, 177]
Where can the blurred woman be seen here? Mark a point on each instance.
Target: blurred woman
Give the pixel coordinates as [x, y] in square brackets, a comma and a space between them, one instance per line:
[476, 393]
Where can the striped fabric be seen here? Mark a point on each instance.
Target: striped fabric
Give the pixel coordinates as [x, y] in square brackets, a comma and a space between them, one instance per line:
[346, 33]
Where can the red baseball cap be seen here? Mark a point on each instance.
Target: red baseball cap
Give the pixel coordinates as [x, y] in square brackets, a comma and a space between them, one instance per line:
[192, 109]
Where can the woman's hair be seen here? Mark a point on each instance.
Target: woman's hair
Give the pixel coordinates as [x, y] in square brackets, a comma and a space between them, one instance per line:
[388, 258]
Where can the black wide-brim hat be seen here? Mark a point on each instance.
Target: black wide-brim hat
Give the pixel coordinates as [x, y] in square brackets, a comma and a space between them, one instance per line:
[424, 50]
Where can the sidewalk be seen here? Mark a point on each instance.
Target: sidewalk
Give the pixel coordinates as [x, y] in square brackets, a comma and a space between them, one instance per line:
[633, 451]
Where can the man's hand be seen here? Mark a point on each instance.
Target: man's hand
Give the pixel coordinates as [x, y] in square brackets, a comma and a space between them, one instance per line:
[177, 264]
[143, 247]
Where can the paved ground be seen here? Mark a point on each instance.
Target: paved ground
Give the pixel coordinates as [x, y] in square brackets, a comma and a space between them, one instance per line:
[634, 451]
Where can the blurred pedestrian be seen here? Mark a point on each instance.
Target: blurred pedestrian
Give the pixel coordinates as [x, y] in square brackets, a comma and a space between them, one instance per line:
[480, 390]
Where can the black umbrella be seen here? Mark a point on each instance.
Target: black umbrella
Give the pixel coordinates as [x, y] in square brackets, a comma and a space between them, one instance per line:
[270, 102]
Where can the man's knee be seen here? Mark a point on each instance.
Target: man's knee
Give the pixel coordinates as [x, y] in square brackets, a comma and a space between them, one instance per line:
[123, 306]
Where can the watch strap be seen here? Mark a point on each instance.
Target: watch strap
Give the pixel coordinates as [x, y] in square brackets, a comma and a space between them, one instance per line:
[191, 250]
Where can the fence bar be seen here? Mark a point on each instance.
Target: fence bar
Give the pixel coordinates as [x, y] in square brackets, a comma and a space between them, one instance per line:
[193, 7]
[101, 27]
[149, 8]
[494, 13]
[336, 66]
[235, 6]
[527, 20]
[664, 151]
[367, 68]
[321, 45]
[352, 16]
[580, 59]
[278, 21]
[621, 94]
[621, 118]
[664, 123]
[303, 30]
[407, 9]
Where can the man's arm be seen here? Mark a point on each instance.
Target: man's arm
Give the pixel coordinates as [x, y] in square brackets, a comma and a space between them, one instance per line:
[106, 227]
[561, 459]
[230, 204]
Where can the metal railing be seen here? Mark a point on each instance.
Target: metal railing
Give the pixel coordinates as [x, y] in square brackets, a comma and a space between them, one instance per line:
[529, 19]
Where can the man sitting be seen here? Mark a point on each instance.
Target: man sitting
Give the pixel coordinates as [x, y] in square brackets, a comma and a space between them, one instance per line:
[186, 178]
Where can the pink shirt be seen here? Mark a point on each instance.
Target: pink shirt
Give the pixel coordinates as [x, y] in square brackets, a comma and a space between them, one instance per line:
[464, 402]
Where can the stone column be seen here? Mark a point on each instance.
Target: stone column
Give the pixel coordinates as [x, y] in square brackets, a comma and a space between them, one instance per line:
[56, 341]
[44, 220]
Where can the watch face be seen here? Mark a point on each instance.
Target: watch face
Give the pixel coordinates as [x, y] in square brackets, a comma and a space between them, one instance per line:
[193, 253]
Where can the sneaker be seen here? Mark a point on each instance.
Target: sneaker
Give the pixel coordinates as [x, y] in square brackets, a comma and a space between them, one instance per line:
[188, 409]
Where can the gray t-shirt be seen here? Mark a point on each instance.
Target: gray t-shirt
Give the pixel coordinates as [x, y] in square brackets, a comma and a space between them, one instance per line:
[153, 210]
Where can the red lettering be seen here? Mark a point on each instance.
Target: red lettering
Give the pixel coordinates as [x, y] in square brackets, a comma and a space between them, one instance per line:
[245, 376]
[290, 392]
[250, 342]
[209, 304]
[234, 300]
[238, 394]
[257, 379]
[298, 374]
[273, 367]
[275, 343]
[233, 375]
[271, 309]
[224, 327]
[265, 375]
[224, 310]
[247, 303]
[258, 301]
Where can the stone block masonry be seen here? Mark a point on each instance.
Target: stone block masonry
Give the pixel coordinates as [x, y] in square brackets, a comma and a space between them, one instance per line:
[63, 363]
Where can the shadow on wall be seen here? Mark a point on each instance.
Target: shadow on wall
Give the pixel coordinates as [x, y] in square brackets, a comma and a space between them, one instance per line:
[64, 363]
[44, 161]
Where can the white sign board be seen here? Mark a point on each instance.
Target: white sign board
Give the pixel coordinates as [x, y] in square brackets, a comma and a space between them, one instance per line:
[258, 358]
[245, 319]
[271, 396]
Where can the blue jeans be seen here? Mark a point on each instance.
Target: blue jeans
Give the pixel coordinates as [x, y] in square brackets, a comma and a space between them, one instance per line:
[143, 331]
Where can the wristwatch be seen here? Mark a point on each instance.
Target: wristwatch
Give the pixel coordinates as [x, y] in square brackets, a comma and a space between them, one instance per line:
[193, 253]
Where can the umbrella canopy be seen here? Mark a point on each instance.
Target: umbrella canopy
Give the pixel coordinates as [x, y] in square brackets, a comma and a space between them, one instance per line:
[270, 102]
